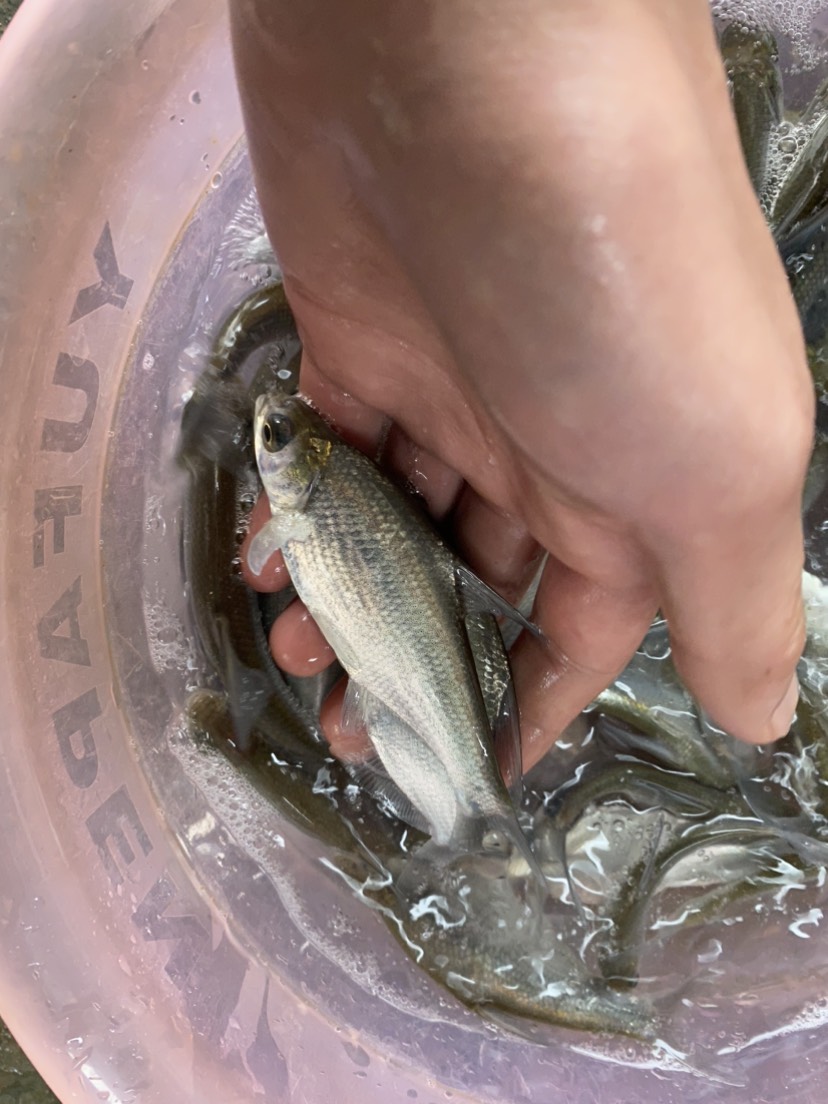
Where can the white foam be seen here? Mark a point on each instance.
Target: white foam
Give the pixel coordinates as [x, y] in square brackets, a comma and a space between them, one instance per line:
[246, 244]
[171, 648]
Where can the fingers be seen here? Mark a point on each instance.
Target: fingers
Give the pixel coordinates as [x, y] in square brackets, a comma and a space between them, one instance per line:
[360, 425]
[496, 546]
[347, 744]
[297, 644]
[422, 471]
[274, 575]
[737, 626]
[590, 632]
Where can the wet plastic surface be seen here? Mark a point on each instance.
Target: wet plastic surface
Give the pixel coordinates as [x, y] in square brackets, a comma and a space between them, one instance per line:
[162, 935]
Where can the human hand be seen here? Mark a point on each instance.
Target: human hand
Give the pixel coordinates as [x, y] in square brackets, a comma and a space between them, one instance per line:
[524, 234]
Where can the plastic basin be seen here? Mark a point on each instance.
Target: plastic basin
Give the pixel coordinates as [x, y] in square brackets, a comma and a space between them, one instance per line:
[161, 937]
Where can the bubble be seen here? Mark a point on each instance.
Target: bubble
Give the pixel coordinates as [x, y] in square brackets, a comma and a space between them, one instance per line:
[803, 22]
[216, 180]
[195, 97]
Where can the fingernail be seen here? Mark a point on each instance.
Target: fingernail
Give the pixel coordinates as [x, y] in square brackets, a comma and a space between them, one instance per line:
[783, 716]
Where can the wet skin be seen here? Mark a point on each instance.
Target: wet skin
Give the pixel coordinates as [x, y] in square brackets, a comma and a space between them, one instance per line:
[557, 375]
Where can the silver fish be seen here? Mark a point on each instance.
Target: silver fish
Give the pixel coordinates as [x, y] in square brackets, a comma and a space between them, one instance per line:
[393, 602]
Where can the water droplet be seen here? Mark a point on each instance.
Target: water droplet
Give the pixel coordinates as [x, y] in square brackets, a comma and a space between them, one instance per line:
[195, 97]
[216, 180]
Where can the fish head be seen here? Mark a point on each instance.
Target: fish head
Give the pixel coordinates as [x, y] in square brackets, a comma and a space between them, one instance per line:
[292, 445]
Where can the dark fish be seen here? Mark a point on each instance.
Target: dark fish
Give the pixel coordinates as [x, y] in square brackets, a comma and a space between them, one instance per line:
[216, 449]
[803, 191]
[730, 859]
[751, 64]
[217, 420]
[660, 717]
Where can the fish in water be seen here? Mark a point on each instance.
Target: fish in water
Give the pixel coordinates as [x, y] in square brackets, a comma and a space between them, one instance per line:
[750, 60]
[216, 450]
[395, 604]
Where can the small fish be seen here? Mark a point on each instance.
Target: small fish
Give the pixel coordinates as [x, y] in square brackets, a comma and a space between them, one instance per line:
[803, 190]
[751, 64]
[394, 603]
[216, 449]
[645, 786]
[806, 261]
[728, 866]
[781, 785]
[218, 416]
[511, 975]
[308, 787]
[660, 718]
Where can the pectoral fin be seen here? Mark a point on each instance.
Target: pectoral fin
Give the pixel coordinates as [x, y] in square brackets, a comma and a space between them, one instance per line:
[495, 678]
[264, 544]
[477, 597]
[372, 777]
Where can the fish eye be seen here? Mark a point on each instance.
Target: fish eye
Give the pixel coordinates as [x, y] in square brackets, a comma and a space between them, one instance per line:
[277, 432]
[495, 843]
